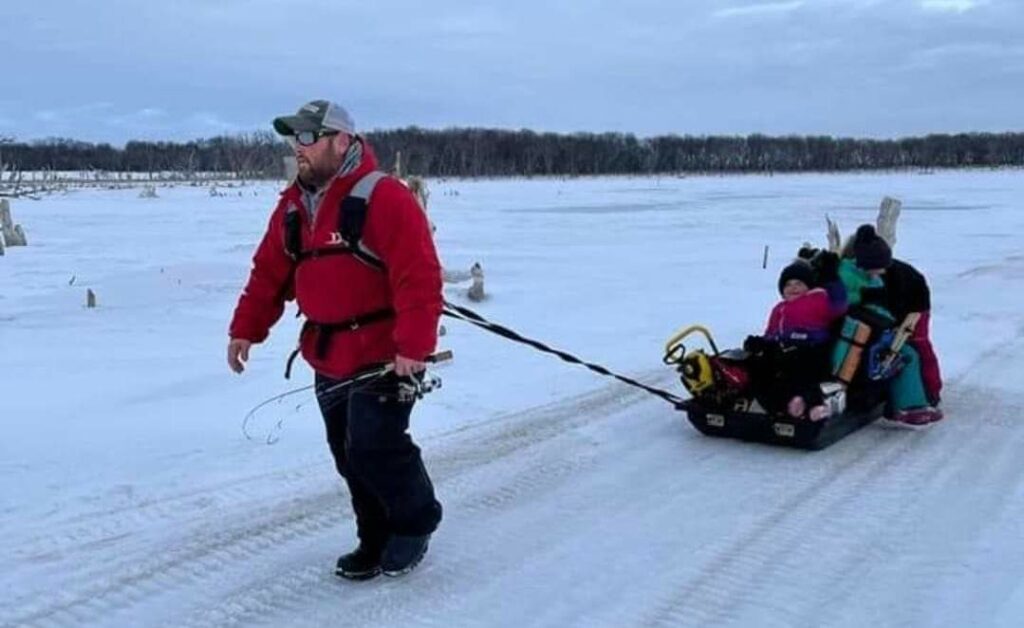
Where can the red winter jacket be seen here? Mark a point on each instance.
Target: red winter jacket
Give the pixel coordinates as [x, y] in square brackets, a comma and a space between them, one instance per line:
[807, 318]
[336, 288]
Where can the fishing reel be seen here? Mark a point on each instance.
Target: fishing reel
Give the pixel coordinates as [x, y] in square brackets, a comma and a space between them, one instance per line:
[416, 386]
[412, 388]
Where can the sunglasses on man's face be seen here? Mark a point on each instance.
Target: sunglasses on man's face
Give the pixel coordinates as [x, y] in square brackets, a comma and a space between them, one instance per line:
[308, 138]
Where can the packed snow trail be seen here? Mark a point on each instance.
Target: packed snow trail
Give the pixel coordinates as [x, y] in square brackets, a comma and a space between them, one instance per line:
[604, 509]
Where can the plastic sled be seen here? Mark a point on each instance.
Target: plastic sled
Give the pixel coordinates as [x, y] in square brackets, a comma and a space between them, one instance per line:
[781, 429]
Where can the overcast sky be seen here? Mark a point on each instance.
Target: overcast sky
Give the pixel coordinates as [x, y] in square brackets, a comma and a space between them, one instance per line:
[115, 70]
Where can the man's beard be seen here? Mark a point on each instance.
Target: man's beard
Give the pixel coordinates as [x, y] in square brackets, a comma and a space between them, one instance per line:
[317, 174]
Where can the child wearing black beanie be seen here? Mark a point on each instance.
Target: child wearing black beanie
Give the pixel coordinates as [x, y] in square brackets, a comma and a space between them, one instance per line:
[870, 250]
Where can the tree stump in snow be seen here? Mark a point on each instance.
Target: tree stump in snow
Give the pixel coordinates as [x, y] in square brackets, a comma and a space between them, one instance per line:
[835, 242]
[885, 227]
[885, 224]
[476, 291]
[418, 187]
[90, 298]
[13, 234]
[148, 191]
[291, 167]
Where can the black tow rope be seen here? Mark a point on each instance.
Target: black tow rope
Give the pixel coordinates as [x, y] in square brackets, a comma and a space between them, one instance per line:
[465, 314]
[471, 317]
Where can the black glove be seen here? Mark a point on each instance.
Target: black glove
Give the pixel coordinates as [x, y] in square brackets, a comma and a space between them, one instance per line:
[826, 267]
[755, 345]
[807, 252]
[873, 295]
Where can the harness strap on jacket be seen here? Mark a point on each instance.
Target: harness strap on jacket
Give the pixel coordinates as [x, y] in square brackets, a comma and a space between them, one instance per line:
[326, 331]
[293, 231]
[352, 219]
[352, 213]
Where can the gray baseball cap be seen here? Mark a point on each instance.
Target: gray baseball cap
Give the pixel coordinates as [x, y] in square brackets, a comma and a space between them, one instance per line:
[316, 115]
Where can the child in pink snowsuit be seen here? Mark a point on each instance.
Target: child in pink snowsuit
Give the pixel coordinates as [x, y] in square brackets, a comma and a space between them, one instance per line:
[798, 336]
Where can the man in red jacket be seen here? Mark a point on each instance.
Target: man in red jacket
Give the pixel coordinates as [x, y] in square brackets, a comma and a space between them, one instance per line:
[354, 248]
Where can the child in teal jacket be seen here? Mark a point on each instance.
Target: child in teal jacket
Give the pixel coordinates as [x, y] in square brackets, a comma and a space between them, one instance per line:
[862, 277]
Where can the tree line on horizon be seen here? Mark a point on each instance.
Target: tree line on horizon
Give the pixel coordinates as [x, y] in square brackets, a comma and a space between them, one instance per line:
[472, 152]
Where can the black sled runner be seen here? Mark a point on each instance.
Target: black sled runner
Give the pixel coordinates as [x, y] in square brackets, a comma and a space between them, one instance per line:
[721, 405]
[777, 429]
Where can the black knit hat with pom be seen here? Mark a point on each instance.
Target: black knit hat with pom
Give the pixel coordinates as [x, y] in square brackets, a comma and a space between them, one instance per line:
[870, 250]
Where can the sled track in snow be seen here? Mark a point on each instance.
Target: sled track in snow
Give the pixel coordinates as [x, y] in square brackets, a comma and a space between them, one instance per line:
[211, 548]
[860, 507]
[296, 587]
[86, 530]
[860, 503]
[461, 466]
[153, 570]
[746, 564]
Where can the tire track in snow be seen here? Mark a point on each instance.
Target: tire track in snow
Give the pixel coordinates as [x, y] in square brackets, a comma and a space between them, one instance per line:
[466, 472]
[87, 530]
[859, 510]
[285, 595]
[153, 570]
[205, 555]
[742, 563]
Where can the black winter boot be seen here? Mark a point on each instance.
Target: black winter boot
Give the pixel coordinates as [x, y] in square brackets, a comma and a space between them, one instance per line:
[403, 553]
[361, 564]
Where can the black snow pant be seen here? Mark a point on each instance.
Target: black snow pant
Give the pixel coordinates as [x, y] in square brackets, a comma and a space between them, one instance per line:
[367, 430]
[781, 372]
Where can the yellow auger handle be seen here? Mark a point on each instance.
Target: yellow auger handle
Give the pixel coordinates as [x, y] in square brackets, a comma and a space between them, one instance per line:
[686, 331]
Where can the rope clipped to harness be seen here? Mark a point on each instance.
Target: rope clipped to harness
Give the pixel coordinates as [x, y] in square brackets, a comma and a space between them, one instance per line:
[471, 317]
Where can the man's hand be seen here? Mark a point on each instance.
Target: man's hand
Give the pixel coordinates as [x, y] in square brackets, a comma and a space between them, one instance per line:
[406, 366]
[238, 353]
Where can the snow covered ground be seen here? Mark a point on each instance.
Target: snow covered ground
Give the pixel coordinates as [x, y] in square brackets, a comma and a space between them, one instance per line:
[129, 496]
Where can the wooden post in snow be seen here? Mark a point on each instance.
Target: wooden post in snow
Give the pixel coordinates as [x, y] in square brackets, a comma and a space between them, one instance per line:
[476, 291]
[291, 167]
[397, 170]
[835, 244]
[418, 187]
[13, 234]
[888, 214]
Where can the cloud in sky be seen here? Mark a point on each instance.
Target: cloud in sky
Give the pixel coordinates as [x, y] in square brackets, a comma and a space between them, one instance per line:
[649, 67]
[759, 9]
[952, 6]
